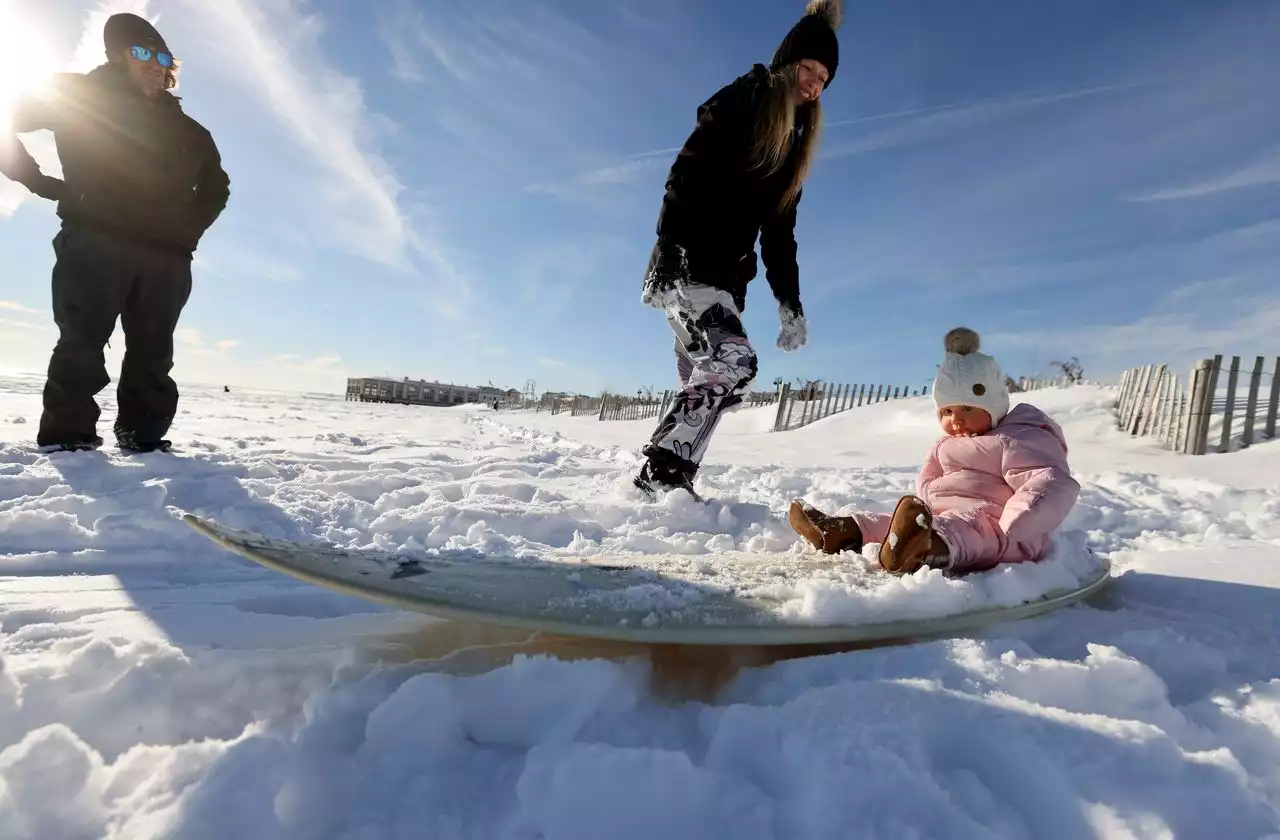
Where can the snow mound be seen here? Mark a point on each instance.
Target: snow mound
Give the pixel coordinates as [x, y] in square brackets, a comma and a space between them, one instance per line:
[155, 686]
[864, 594]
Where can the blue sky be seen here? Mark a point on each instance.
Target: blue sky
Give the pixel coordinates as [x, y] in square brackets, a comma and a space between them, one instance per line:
[467, 191]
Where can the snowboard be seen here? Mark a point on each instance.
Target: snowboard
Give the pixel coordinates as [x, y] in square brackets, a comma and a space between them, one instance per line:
[607, 599]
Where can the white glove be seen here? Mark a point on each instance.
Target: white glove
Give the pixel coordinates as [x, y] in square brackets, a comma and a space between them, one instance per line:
[667, 280]
[795, 331]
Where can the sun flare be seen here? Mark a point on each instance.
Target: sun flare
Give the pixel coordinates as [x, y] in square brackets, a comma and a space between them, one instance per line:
[26, 60]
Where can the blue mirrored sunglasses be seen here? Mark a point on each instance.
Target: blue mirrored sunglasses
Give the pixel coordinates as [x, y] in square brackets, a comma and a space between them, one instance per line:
[145, 53]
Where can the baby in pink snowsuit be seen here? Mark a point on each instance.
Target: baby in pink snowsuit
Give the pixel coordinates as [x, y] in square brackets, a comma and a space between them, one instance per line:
[992, 490]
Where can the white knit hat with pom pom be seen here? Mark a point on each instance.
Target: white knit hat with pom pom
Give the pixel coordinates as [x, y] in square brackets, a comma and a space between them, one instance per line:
[968, 377]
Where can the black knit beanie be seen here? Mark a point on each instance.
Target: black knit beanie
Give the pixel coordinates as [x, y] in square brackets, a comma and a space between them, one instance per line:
[124, 30]
[813, 37]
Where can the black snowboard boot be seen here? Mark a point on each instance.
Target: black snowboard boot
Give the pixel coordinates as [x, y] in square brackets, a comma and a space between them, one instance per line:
[663, 472]
[130, 444]
[72, 445]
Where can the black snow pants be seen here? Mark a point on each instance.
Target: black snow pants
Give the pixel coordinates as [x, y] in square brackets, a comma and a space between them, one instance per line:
[98, 278]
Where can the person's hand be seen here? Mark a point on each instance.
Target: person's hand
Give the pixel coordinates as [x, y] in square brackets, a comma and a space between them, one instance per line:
[46, 186]
[666, 283]
[794, 332]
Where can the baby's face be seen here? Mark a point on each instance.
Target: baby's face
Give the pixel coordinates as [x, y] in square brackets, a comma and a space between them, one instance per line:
[964, 420]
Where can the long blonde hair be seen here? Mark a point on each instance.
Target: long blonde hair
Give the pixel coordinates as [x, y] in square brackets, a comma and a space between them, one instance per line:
[776, 125]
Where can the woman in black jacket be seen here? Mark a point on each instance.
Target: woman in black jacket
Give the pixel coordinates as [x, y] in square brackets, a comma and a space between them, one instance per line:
[739, 176]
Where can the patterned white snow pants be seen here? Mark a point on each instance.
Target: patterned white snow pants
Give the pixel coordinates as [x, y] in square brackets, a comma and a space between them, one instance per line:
[716, 365]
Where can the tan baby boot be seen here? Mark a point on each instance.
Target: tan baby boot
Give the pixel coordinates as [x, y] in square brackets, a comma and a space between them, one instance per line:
[912, 542]
[830, 534]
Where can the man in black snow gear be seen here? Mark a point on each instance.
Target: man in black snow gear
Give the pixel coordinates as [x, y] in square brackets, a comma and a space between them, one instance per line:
[738, 178]
[142, 182]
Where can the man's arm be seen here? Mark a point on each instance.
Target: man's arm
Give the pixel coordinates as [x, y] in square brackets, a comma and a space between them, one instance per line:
[212, 191]
[34, 112]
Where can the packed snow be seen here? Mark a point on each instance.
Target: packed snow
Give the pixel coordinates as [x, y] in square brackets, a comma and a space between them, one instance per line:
[155, 685]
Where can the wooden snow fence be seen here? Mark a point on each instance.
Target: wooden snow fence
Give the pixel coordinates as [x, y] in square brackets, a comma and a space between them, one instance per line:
[1155, 402]
[617, 407]
[802, 406]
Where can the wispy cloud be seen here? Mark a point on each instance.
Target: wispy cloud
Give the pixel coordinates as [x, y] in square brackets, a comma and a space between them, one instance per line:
[272, 49]
[240, 261]
[1265, 170]
[330, 172]
[1177, 339]
[625, 171]
[549, 276]
[921, 125]
[14, 306]
[516, 60]
[318, 364]
[194, 344]
[535, 66]
[297, 363]
[16, 324]
[11, 197]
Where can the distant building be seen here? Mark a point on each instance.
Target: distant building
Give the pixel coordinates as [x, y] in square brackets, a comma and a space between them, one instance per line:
[419, 392]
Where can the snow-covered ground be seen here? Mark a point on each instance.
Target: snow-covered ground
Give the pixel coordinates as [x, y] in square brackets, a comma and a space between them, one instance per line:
[154, 685]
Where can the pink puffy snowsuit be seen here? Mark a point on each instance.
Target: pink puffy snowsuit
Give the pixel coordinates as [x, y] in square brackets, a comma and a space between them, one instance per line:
[996, 497]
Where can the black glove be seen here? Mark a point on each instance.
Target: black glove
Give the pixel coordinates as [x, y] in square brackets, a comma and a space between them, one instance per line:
[46, 186]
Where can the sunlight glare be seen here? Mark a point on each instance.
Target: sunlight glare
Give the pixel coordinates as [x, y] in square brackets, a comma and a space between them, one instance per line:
[25, 59]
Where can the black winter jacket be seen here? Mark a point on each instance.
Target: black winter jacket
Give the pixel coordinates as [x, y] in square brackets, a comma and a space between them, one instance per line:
[135, 168]
[717, 202]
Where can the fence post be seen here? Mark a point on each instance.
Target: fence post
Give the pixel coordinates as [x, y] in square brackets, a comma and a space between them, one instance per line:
[1143, 417]
[1127, 408]
[1251, 407]
[1157, 422]
[1166, 409]
[1203, 406]
[1195, 394]
[1126, 393]
[1135, 413]
[1153, 403]
[791, 404]
[1131, 393]
[604, 406]
[1152, 423]
[1275, 400]
[1184, 418]
[1124, 390]
[784, 391]
[1144, 384]
[862, 389]
[1228, 411]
